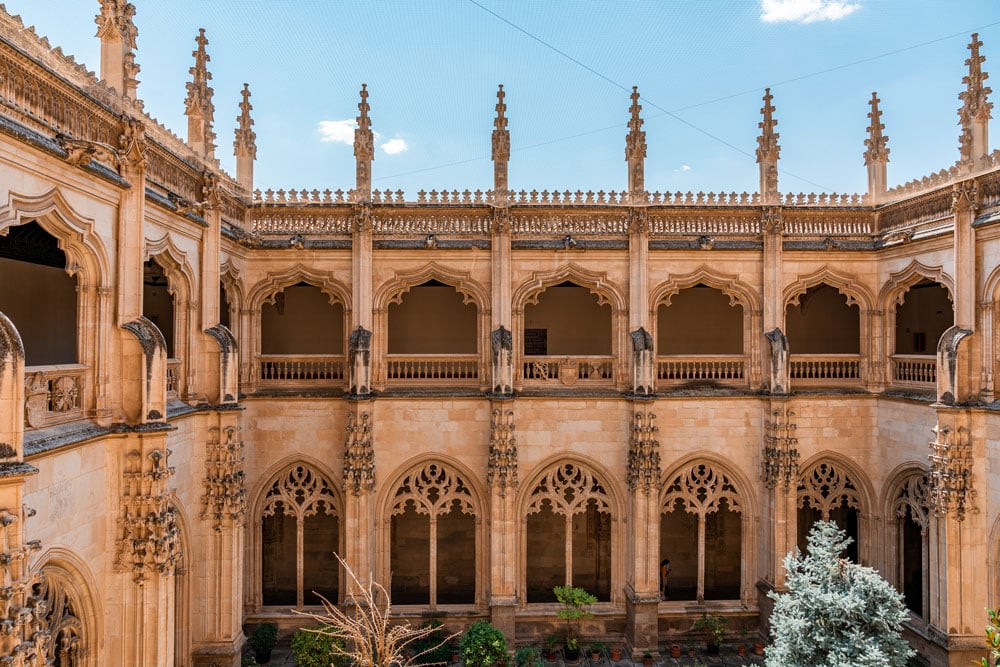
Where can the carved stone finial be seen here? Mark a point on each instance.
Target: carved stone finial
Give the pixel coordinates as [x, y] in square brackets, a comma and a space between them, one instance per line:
[635, 146]
[643, 467]
[117, 31]
[974, 113]
[364, 148]
[198, 105]
[501, 472]
[501, 149]
[245, 143]
[359, 455]
[876, 152]
[768, 150]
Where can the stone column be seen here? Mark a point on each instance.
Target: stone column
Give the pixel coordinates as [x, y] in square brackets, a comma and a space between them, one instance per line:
[502, 337]
[502, 478]
[361, 306]
[642, 361]
[359, 492]
[131, 215]
[775, 360]
[642, 544]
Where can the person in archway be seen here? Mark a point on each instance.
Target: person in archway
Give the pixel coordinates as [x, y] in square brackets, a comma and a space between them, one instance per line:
[664, 576]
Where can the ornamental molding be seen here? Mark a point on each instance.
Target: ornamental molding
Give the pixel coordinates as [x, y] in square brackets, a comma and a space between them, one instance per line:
[501, 472]
[225, 480]
[359, 455]
[643, 465]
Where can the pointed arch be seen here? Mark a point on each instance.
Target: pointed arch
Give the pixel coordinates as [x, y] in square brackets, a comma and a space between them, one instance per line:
[739, 293]
[597, 282]
[231, 276]
[900, 282]
[266, 289]
[74, 232]
[859, 489]
[856, 293]
[908, 527]
[392, 291]
[742, 487]
[75, 613]
[830, 484]
[175, 265]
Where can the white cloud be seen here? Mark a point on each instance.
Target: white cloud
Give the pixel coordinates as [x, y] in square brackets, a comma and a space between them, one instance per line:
[685, 167]
[806, 11]
[337, 131]
[394, 146]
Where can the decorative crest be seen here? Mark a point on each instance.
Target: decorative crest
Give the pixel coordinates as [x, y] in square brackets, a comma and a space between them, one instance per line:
[635, 146]
[132, 145]
[975, 110]
[875, 144]
[501, 146]
[198, 105]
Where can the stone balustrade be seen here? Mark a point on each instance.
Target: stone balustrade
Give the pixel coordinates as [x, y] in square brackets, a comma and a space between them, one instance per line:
[451, 369]
[914, 369]
[292, 369]
[53, 394]
[825, 368]
[730, 369]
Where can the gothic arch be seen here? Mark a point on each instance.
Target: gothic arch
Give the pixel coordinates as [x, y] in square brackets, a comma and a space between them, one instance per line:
[182, 585]
[266, 289]
[470, 481]
[597, 282]
[742, 487]
[855, 292]
[69, 586]
[859, 491]
[73, 232]
[232, 278]
[900, 282]
[174, 263]
[614, 497]
[739, 293]
[907, 554]
[392, 291]
[894, 480]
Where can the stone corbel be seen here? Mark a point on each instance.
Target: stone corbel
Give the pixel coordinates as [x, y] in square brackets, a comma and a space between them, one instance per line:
[153, 384]
[229, 365]
[947, 364]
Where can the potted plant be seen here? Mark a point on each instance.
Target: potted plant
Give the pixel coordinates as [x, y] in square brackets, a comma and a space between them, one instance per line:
[262, 641]
[675, 650]
[550, 647]
[527, 656]
[758, 647]
[616, 653]
[647, 659]
[574, 600]
[715, 625]
[596, 650]
[483, 645]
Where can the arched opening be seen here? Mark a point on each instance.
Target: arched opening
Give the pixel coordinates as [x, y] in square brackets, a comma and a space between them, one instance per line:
[701, 536]
[826, 493]
[699, 336]
[912, 516]
[158, 302]
[568, 336]
[824, 336]
[923, 315]
[44, 310]
[300, 532]
[225, 312]
[433, 539]
[67, 646]
[302, 337]
[432, 335]
[568, 502]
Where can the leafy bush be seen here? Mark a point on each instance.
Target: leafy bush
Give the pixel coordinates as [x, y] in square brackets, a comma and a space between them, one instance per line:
[573, 599]
[483, 645]
[992, 639]
[432, 649]
[313, 648]
[264, 637]
[835, 612]
[527, 656]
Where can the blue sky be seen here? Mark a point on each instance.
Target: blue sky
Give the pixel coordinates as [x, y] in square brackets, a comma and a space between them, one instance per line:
[432, 68]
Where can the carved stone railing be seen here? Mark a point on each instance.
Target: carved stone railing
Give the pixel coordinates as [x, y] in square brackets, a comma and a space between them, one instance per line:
[914, 369]
[53, 394]
[725, 368]
[554, 370]
[173, 377]
[307, 369]
[414, 369]
[825, 368]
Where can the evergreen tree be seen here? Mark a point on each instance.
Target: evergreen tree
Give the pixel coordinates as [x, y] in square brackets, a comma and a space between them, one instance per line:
[836, 612]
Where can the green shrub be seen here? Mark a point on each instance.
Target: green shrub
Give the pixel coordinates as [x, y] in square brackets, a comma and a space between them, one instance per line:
[527, 656]
[482, 645]
[264, 637]
[432, 649]
[315, 649]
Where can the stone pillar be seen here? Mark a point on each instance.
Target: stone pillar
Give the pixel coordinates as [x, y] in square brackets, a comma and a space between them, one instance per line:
[642, 350]
[502, 478]
[775, 360]
[361, 297]
[958, 533]
[217, 567]
[642, 544]
[502, 338]
[359, 492]
[963, 368]
[131, 215]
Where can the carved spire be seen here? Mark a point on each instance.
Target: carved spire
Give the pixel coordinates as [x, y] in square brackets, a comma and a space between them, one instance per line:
[198, 105]
[118, 33]
[974, 115]
[767, 152]
[245, 144]
[876, 153]
[635, 147]
[501, 148]
[364, 149]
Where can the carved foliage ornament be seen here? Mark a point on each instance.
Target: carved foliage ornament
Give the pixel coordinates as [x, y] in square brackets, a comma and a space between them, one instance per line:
[780, 460]
[300, 492]
[950, 476]
[148, 533]
[25, 638]
[702, 490]
[502, 468]
[569, 489]
[643, 453]
[433, 490]
[225, 480]
[359, 455]
[824, 487]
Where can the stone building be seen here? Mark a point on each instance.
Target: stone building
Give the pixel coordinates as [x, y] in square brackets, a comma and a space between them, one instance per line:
[205, 389]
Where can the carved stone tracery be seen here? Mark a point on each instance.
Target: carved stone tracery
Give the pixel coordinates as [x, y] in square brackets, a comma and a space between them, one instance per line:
[824, 487]
[25, 639]
[643, 453]
[433, 490]
[569, 488]
[702, 490]
[300, 492]
[64, 623]
[225, 480]
[914, 495]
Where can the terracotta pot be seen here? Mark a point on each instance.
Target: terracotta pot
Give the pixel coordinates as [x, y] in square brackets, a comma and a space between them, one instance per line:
[758, 648]
[675, 650]
[741, 650]
[647, 661]
[616, 653]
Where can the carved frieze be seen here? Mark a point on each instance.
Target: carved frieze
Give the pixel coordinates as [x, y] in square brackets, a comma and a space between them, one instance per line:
[359, 455]
[950, 477]
[501, 472]
[225, 481]
[643, 468]
[148, 532]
